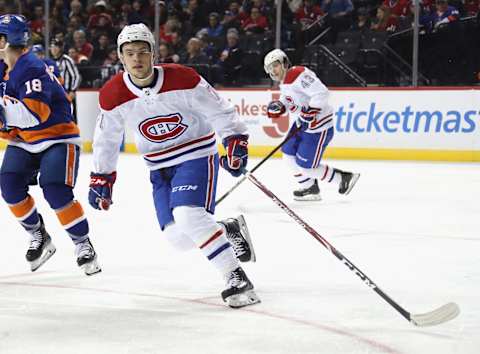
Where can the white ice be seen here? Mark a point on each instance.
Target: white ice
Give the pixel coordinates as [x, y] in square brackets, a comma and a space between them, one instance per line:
[413, 228]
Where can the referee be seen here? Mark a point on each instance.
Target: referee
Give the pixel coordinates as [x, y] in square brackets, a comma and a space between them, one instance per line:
[68, 71]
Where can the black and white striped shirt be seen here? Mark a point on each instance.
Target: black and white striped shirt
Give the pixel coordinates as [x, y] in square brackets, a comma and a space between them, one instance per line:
[69, 73]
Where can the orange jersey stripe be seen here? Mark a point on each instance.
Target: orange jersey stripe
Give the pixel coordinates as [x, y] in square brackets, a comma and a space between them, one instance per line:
[38, 107]
[23, 208]
[71, 213]
[70, 172]
[54, 131]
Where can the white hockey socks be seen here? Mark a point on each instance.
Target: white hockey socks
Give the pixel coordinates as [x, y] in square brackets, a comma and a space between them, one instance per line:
[207, 235]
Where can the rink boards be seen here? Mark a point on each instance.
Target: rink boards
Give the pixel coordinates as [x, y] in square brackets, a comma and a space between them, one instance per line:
[389, 124]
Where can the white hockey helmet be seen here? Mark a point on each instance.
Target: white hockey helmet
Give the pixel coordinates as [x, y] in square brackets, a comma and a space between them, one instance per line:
[134, 33]
[272, 57]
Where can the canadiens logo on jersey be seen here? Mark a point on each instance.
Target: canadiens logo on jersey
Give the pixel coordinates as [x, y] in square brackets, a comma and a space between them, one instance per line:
[291, 103]
[161, 128]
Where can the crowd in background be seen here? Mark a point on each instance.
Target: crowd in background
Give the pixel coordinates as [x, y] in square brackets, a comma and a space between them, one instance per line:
[221, 36]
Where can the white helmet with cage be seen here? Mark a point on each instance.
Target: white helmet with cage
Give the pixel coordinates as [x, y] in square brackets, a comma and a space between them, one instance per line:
[134, 33]
[276, 55]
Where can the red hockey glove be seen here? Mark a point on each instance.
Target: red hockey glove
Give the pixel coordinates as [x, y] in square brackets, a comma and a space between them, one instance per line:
[101, 189]
[275, 109]
[237, 154]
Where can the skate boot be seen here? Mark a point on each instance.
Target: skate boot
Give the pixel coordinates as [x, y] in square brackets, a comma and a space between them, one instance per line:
[239, 291]
[348, 181]
[87, 257]
[41, 247]
[310, 193]
[239, 238]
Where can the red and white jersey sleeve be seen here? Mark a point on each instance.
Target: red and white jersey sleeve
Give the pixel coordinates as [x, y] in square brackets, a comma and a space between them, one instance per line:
[108, 137]
[219, 112]
[172, 121]
[302, 88]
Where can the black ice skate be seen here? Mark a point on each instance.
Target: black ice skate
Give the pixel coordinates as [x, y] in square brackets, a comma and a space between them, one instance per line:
[87, 257]
[41, 247]
[239, 291]
[348, 181]
[310, 193]
[239, 238]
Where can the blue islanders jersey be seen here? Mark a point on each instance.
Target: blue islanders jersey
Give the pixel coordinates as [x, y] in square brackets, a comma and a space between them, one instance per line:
[52, 65]
[36, 103]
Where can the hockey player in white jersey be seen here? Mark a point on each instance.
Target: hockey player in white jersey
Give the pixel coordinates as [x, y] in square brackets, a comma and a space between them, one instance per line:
[174, 114]
[305, 98]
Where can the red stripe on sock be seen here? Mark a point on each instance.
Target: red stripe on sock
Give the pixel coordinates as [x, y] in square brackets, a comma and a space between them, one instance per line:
[213, 238]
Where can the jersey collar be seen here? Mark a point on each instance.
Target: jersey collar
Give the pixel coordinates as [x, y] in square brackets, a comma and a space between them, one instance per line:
[146, 91]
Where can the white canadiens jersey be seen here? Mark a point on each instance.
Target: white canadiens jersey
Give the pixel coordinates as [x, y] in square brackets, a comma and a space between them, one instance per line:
[173, 121]
[302, 88]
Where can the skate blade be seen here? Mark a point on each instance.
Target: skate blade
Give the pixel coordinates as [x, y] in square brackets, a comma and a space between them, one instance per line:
[308, 198]
[92, 267]
[246, 234]
[352, 183]
[48, 252]
[241, 300]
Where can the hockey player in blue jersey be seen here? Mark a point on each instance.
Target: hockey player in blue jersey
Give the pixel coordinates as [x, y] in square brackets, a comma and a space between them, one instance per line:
[35, 118]
[39, 51]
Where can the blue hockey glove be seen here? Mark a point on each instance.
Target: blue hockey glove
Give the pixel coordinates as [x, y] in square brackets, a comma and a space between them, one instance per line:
[275, 109]
[307, 115]
[101, 189]
[237, 154]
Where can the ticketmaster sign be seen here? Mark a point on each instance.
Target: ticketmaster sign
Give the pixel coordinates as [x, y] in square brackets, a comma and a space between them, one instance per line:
[369, 124]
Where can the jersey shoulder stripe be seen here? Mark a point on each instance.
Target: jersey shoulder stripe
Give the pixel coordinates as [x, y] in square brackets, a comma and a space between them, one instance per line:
[114, 93]
[293, 73]
[178, 77]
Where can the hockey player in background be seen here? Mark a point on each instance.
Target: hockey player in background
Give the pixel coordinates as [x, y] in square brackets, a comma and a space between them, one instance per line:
[36, 120]
[305, 98]
[174, 114]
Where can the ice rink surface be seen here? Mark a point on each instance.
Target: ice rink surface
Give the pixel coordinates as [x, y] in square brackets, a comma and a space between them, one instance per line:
[411, 227]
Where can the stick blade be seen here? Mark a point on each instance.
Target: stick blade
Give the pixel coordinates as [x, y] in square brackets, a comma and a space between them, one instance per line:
[442, 314]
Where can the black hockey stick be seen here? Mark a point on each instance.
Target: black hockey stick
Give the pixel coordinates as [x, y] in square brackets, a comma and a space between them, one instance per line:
[240, 181]
[435, 317]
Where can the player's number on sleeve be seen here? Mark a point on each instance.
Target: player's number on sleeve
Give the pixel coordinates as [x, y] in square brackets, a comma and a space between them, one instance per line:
[34, 85]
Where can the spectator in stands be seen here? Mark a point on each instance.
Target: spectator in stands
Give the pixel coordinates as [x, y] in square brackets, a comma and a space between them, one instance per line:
[195, 55]
[256, 23]
[172, 25]
[76, 9]
[165, 54]
[196, 15]
[397, 8]
[472, 7]
[136, 15]
[68, 71]
[100, 20]
[339, 16]
[443, 15]
[37, 24]
[230, 21]
[100, 50]
[308, 14]
[111, 65]
[178, 45]
[81, 44]
[363, 21]
[384, 22]
[77, 57]
[215, 28]
[231, 59]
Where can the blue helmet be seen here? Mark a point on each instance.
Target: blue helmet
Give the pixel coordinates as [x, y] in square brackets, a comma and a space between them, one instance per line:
[38, 48]
[15, 28]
